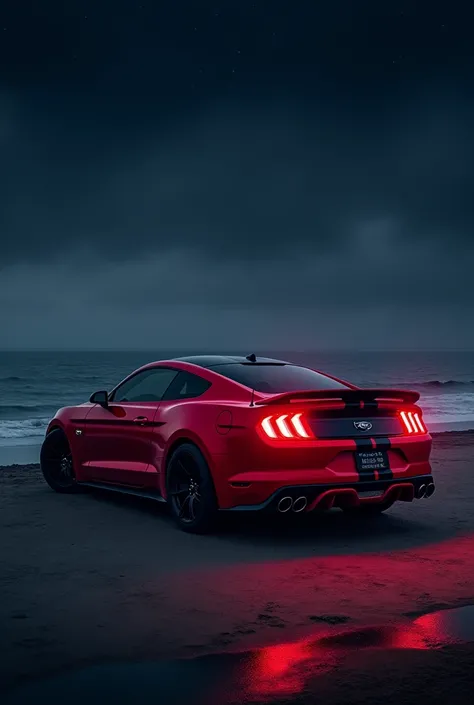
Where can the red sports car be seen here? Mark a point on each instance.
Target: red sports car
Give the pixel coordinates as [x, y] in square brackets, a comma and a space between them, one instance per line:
[218, 433]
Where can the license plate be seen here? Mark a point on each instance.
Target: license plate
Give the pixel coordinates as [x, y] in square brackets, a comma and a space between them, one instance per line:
[367, 460]
[370, 495]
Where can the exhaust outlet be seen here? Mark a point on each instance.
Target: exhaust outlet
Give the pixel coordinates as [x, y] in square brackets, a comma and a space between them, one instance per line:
[430, 488]
[299, 504]
[421, 491]
[284, 505]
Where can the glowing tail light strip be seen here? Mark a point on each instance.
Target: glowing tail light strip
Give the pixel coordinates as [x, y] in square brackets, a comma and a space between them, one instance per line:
[420, 423]
[268, 428]
[412, 422]
[300, 429]
[284, 426]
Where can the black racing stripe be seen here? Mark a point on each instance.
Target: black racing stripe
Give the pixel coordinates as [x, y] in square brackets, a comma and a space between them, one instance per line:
[370, 405]
[384, 444]
[364, 444]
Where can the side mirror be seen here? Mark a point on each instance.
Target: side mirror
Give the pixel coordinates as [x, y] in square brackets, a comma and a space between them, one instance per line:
[101, 398]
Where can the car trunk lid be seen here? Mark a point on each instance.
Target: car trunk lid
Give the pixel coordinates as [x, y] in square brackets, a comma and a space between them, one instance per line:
[350, 413]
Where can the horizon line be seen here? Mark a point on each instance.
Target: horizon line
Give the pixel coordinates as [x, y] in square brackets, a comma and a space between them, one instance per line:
[207, 351]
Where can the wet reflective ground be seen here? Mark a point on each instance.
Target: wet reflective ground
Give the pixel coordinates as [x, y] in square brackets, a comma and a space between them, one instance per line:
[261, 675]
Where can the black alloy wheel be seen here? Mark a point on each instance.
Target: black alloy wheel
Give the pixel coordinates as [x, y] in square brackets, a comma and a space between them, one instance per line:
[190, 490]
[57, 463]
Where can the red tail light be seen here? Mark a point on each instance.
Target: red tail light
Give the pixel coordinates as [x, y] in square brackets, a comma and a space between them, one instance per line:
[412, 422]
[285, 426]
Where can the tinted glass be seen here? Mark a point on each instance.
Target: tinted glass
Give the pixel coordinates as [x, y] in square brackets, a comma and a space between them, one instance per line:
[149, 385]
[186, 386]
[276, 379]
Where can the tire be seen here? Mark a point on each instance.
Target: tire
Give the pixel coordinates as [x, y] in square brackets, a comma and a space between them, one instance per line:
[368, 510]
[57, 463]
[190, 490]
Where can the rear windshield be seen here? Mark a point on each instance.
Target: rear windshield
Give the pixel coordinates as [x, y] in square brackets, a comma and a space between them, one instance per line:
[277, 379]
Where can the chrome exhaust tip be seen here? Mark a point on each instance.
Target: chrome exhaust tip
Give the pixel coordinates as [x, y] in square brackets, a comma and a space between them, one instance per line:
[299, 505]
[285, 504]
[430, 488]
[421, 491]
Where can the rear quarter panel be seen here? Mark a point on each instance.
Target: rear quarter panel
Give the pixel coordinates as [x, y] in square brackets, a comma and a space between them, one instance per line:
[200, 422]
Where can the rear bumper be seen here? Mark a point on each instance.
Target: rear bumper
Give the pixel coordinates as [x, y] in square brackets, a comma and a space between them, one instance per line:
[327, 496]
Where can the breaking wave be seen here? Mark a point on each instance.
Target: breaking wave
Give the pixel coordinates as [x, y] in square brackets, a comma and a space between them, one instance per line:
[23, 428]
[440, 384]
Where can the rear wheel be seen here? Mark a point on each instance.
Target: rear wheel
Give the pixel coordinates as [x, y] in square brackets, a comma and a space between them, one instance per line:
[368, 510]
[190, 490]
[57, 463]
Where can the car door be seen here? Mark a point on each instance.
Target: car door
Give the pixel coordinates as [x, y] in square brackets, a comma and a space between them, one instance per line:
[118, 440]
[184, 386]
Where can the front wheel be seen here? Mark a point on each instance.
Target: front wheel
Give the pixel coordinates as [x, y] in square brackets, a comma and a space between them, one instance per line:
[57, 464]
[190, 490]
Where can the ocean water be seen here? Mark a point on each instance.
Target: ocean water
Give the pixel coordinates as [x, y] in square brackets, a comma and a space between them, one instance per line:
[33, 385]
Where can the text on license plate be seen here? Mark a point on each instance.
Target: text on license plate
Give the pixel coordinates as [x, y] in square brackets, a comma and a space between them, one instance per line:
[371, 460]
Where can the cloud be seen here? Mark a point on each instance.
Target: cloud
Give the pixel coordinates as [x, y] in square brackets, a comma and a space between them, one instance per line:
[379, 292]
[245, 177]
[249, 185]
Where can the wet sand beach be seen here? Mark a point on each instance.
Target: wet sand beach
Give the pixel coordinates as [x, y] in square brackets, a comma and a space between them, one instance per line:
[97, 578]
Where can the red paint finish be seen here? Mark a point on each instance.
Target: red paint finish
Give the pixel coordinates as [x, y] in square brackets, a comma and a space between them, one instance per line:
[118, 443]
[129, 443]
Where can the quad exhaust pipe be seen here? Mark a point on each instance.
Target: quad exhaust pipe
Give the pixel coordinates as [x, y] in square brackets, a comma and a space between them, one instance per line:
[421, 491]
[298, 505]
[430, 488]
[285, 504]
[425, 490]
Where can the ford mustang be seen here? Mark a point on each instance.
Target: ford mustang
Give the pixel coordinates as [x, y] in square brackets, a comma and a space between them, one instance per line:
[207, 434]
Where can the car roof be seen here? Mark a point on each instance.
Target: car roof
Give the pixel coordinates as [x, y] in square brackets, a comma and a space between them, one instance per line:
[209, 361]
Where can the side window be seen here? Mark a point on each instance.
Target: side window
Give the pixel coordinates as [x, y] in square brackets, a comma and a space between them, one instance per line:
[186, 386]
[149, 385]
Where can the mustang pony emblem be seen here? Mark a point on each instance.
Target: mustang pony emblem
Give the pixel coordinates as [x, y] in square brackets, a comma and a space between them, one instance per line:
[363, 425]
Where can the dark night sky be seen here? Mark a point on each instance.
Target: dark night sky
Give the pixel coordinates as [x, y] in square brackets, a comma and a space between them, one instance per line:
[237, 174]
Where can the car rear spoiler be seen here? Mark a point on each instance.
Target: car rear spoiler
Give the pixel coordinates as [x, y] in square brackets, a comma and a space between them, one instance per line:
[349, 396]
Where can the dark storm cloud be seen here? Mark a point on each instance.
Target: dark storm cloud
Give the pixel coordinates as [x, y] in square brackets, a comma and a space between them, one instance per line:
[241, 182]
[235, 162]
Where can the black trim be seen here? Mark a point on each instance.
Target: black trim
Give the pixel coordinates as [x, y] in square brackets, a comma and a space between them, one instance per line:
[313, 491]
[384, 444]
[370, 406]
[125, 489]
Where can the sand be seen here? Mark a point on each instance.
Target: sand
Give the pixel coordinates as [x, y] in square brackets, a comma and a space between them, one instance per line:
[94, 577]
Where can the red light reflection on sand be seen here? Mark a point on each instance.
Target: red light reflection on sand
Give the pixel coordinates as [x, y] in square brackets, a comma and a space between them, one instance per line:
[409, 638]
[429, 632]
[283, 670]
[292, 584]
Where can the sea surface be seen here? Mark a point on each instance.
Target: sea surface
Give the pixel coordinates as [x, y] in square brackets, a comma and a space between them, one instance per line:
[33, 385]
